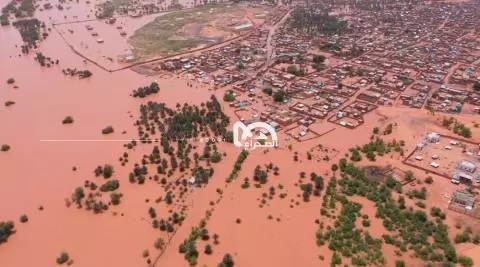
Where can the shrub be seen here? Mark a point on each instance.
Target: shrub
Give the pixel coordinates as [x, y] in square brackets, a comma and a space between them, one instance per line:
[409, 175]
[267, 91]
[10, 81]
[463, 237]
[64, 257]
[319, 59]
[399, 263]
[107, 171]
[208, 249]
[465, 261]
[107, 130]
[336, 259]
[84, 74]
[227, 261]
[420, 204]
[4, 148]
[476, 86]
[67, 120]
[23, 218]
[110, 186]
[229, 96]
[9, 103]
[429, 180]
[6, 229]
[115, 198]
[356, 156]
[216, 157]
[279, 96]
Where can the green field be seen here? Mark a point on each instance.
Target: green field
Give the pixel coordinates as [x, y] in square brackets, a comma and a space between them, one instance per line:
[164, 35]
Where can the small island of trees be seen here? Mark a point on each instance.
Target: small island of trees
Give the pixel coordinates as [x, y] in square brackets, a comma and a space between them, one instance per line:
[80, 73]
[145, 91]
[6, 230]
[408, 229]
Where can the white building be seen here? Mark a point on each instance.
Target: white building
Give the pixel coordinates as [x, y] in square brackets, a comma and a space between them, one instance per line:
[467, 166]
[433, 137]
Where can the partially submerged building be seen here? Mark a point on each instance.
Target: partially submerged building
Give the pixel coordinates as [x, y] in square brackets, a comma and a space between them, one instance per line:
[467, 166]
[462, 199]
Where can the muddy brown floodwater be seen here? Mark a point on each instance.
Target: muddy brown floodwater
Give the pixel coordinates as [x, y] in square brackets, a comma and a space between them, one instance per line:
[37, 173]
[37, 170]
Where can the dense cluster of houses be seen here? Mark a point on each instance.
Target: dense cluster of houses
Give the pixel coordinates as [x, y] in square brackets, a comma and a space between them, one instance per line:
[418, 57]
[224, 65]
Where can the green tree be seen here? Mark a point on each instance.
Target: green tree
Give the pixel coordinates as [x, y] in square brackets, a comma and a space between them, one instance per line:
[334, 167]
[229, 96]
[115, 198]
[356, 156]
[409, 175]
[465, 261]
[63, 258]
[78, 194]
[336, 259]
[318, 59]
[6, 229]
[110, 185]
[23, 218]
[107, 171]
[227, 261]
[279, 96]
[450, 253]
[476, 86]
[208, 249]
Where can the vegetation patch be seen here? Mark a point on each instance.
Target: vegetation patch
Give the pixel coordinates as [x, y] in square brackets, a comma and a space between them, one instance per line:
[312, 21]
[145, 91]
[409, 230]
[6, 230]
[167, 34]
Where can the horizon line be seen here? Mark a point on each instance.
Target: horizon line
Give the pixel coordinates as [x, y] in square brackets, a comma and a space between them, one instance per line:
[95, 140]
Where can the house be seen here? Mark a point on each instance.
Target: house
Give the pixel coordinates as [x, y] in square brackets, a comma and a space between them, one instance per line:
[467, 166]
[433, 137]
[463, 198]
[462, 177]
